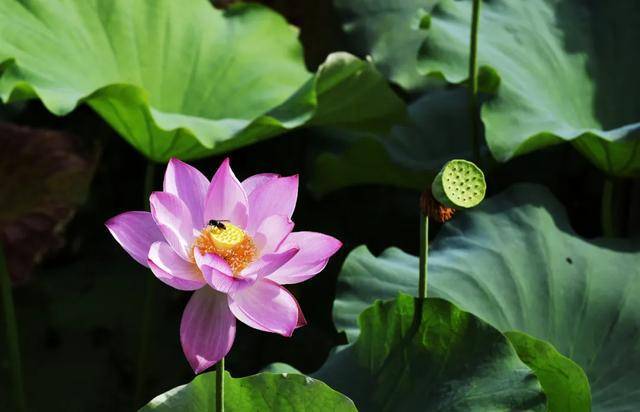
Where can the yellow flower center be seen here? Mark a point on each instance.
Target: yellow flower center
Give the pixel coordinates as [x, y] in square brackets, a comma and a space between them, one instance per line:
[230, 243]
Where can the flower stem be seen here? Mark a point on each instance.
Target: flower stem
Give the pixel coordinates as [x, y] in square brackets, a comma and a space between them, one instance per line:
[13, 346]
[147, 311]
[220, 386]
[424, 255]
[474, 111]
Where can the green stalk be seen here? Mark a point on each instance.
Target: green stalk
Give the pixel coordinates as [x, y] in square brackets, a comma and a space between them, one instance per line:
[147, 311]
[424, 256]
[13, 344]
[149, 175]
[474, 111]
[220, 386]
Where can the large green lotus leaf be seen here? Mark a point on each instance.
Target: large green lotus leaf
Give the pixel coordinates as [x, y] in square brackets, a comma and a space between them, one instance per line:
[562, 71]
[389, 32]
[181, 78]
[431, 356]
[515, 262]
[408, 156]
[262, 392]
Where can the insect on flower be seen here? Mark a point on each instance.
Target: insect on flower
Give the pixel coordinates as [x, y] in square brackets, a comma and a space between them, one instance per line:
[230, 242]
[218, 223]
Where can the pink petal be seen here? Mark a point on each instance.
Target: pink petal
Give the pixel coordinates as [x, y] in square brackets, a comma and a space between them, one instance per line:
[207, 329]
[174, 220]
[187, 183]
[275, 197]
[251, 183]
[218, 274]
[226, 199]
[271, 232]
[135, 232]
[268, 263]
[173, 270]
[265, 306]
[315, 251]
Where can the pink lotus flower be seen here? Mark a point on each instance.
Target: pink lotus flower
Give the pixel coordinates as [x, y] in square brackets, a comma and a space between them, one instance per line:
[232, 243]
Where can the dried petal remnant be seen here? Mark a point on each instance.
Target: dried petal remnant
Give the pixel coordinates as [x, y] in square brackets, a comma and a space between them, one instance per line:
[230, 243]
[434, 209]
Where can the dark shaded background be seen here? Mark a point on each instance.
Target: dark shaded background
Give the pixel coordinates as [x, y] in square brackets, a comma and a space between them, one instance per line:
[80, 315]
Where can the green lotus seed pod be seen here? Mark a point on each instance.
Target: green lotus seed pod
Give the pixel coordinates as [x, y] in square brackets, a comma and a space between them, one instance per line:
[460, 185]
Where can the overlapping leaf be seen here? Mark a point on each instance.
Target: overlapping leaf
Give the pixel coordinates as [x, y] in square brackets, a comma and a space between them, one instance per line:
[417, 356]
[563, 70]
[409, 156]
[181, 78]
[389, 32]
[516, 263]
[262, 392]
[564, 382]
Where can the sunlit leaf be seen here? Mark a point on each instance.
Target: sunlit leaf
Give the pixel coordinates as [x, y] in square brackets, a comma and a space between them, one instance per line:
[564, 382]
[182, 78]
[262, 392]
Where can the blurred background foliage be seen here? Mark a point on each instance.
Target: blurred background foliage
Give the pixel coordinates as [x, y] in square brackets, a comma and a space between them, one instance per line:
[79, 327]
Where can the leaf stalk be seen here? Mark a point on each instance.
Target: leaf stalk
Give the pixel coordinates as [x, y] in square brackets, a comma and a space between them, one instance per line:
[474, 110]
[147, 310]
[424, 255]
[13, 343]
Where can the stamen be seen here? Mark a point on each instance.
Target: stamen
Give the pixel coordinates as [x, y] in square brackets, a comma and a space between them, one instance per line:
[231, 243]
